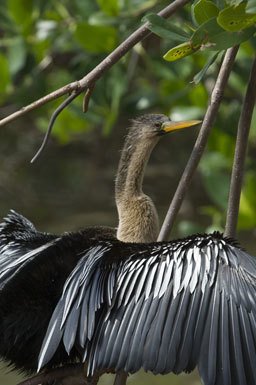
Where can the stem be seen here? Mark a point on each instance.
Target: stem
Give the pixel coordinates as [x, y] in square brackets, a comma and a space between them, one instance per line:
[200, 144]
[101, 68]
[240, 154]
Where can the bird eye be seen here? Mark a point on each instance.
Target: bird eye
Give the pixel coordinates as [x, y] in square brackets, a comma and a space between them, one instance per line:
[158, 124]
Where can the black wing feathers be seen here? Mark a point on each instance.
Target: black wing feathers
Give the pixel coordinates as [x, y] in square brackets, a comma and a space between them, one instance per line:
[185, 305]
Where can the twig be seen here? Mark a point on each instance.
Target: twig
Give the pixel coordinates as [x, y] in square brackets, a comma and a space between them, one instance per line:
[101, 68]
[52, 120]
[200, 144]
[87, 97]
[240, 154]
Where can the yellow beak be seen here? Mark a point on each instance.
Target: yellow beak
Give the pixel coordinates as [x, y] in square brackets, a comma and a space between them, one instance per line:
[172, 126]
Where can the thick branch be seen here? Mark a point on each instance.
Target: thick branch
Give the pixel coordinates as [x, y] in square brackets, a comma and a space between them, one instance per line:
[200, 144]
[240, 154]
[101, 68]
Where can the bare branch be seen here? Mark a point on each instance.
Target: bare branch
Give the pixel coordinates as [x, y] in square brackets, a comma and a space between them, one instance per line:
[200, 144]
[101, 68]
[52, 120]
[240, 154]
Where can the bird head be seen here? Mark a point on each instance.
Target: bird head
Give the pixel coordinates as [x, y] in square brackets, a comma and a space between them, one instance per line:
[153, 125]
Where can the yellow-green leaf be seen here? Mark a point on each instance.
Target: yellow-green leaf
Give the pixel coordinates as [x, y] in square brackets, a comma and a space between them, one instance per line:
[235, 19]
[180, 51]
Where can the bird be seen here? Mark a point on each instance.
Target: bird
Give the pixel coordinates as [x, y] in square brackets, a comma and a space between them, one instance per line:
[162, 307]
[35, 266]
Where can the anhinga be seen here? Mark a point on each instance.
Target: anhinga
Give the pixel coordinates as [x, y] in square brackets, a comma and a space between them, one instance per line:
[35, 265]
[166, 306]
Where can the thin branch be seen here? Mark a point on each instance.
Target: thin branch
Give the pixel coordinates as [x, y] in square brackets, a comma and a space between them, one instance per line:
[240, 154]
[101, 68]
[52, 120]
[200, 144]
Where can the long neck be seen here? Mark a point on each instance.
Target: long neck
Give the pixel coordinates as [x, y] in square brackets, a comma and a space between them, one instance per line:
[138, 220]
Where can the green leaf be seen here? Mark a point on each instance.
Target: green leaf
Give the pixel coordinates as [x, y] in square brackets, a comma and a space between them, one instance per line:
[96, 38]
[181, 51]
[198, 77]
[251, 6]
[247, 216]
[234, 19]
[5, 77]
[21, 11]
[205, 10]
[163, 28]
[110, 7]
[211, 36]
[16, 55]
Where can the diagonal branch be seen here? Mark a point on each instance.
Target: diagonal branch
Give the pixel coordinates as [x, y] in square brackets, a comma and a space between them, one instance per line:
[240, 154]
[101, 68]
[200, 144]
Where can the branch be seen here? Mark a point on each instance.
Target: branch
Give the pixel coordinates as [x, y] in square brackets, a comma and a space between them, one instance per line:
[200, 144]
[101, 68]
[240, 154]
[52, 120]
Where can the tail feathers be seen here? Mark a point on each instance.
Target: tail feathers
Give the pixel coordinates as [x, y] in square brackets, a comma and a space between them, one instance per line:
[19, 242]
[16, 231]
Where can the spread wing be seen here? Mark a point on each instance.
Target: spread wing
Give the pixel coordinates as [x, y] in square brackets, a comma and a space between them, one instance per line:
[162, 307]
[20, 242]
[181, 305]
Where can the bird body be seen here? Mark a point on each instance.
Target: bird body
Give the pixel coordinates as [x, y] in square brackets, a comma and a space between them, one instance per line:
[167, 306]
[34, 266]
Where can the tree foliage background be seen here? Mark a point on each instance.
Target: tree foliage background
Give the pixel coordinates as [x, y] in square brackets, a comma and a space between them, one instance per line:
[45, 44]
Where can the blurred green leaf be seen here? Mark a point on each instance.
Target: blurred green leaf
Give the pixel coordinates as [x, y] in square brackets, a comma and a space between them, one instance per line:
[251, 6]
[16, 55]
[215, 178]
[204, 10]
[96, 38]
[5, 76]
[66, 125]
[217, 186]
[21, 11]
[234, 19]
[110, 7]
[165, 29]
[198, 77]
[187, 228]
[247, 214]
